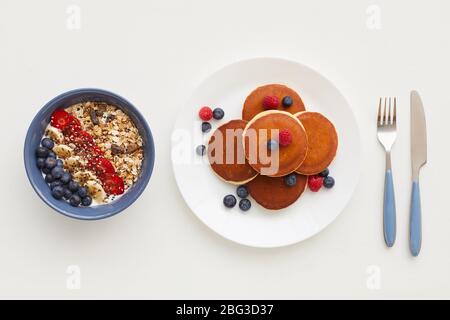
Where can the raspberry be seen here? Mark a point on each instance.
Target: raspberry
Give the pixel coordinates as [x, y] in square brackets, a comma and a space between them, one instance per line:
[205, 113]
[315, 183]
[285, 138]
[271, 102]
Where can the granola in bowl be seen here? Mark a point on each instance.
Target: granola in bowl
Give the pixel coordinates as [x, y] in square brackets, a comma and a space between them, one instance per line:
[98, 146]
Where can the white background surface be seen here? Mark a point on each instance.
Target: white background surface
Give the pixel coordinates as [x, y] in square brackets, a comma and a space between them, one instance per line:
[155, 53]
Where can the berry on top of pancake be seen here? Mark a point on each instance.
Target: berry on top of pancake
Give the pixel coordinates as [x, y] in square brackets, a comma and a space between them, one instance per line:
[272, 97]
[262, 144]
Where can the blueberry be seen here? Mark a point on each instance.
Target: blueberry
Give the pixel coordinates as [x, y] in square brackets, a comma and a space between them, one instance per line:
[218, 114]
[55, 184]
[57, 172]
[245, 204]
[67, 193]
[272, 145]
[58, 192]
[46, 170]
[65, 178]
[86, 201]
[242, 192]
[287, 101]
[73, 186]
[49, 178]
[40, 163]
[328, 182]
[42, 152]
[229, 201]
[75, 200]
[200, 150]
[206, 127]
[51, 154]
[50, 163]
[324, 173]
[47, 143]
[82, 192]
[59, 163]
[290, 180]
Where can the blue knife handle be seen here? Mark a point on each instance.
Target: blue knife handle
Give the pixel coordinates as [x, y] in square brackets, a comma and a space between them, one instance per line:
[389, 212]
[415, 235]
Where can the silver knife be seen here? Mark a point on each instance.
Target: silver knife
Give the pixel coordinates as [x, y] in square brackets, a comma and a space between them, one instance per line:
[418, 159]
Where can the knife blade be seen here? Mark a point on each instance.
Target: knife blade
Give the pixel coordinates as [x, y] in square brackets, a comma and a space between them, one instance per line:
[418, 159]
[418, 135]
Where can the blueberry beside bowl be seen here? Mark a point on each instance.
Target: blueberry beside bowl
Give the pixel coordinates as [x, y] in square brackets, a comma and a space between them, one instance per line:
[37, 130]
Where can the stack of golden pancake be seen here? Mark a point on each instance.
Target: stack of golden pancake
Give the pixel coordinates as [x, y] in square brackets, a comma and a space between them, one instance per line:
[239, 154]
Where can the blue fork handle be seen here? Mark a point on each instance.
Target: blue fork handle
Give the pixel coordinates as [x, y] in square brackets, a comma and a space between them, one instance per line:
[415, 235]
[389, 215]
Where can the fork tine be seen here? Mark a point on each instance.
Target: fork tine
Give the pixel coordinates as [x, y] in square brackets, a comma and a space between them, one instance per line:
[379, 113]
[384, 113]
[389, 118]
[394, 118]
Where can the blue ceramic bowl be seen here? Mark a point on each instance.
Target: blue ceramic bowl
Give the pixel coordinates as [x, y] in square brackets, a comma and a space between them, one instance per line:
[36, 131]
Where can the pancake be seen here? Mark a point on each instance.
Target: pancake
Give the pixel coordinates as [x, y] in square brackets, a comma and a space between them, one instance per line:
[226, 153]
[286, 159]
[273, 193]
[322, 142]
[254, 102]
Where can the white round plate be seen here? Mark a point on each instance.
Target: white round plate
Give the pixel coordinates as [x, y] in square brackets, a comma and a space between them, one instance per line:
[203, 191]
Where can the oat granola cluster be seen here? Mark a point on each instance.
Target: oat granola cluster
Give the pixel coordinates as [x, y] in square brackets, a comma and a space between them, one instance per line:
[116, 134]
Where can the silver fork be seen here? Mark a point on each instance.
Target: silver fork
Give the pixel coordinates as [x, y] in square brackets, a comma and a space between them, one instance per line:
[387, 133]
